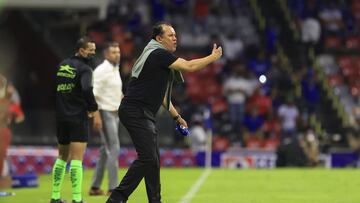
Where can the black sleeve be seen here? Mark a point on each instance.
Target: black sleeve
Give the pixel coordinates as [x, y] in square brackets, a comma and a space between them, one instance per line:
[165, 57]
[86, 87]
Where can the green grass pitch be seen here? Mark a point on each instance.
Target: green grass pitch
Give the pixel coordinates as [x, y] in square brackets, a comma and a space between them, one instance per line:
[225, 186]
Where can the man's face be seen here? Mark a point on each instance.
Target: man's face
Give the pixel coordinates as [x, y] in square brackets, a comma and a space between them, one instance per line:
[112, 54]
[89, 50]
[168, 39]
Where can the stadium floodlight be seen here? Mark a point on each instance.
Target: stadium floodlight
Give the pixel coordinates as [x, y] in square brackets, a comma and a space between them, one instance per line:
[262, 79]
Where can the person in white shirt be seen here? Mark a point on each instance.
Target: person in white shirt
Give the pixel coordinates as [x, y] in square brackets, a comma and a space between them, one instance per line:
[237, 88]
[289, 115]
[310, 30]
[108, 94]
[197, 135]
[233, 46]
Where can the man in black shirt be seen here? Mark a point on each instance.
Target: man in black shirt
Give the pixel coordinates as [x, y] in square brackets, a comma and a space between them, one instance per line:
[75, 103]
[149, 88]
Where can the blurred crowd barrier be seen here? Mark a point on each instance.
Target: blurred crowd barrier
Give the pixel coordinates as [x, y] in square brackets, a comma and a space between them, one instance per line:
[39, 160]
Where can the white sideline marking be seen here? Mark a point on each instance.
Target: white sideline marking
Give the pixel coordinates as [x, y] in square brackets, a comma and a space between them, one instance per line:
[194, 189]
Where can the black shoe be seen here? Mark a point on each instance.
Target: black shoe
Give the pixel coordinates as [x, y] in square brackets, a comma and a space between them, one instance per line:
[110, 200]
[57, 201]
[82, 201]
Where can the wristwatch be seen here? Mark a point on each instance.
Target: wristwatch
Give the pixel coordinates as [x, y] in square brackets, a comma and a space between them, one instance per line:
[176, 117]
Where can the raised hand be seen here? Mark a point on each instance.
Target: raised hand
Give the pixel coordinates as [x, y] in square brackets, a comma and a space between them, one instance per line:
[216, 51]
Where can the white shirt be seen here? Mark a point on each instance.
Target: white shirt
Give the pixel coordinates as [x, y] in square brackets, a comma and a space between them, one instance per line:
[289, 115]
[239, 83]
[107, 86]
[232, 47]
[311, 30]
[197, 137]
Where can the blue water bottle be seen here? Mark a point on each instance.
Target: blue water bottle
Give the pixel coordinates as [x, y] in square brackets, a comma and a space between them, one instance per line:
[182, 129]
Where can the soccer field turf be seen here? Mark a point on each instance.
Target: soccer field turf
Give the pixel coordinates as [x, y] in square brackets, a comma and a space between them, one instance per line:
[225, 186]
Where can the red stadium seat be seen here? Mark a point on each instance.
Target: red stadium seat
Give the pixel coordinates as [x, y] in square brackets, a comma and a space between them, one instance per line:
[253, 142]
[335, 80]
[356, 8]
[355, 90]
[332, 42]
[208, 72]
[118, 37]
[212, 88]
[219, 105]
[348, 70]
[218, 67]
[116, 28]
[127, 46]
[345, 61]
[271, 144]
[352, 42]
[357, 63]
[98, 37]
[352, 80]
[197, 93]
[191, 79]
[357, 69]
[220, 143]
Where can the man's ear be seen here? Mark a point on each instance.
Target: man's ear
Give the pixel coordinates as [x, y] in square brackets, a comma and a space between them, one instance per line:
[158, 38]
[81, 51]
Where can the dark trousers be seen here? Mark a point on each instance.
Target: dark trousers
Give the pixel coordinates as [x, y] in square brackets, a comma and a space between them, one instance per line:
[141, 127]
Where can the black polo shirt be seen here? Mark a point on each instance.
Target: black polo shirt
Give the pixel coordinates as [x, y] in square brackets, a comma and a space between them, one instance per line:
[74, 95]
[148, 90]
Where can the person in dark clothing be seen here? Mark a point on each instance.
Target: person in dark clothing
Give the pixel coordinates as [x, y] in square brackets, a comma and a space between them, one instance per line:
[299, 151]
[149, 88]
[75, 104]
[290, 153]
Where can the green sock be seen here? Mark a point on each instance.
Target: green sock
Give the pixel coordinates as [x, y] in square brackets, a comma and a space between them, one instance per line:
[58, 173]
[76, 176]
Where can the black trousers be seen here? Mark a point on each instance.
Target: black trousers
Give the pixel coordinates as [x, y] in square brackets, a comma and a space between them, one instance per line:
[140, 124]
